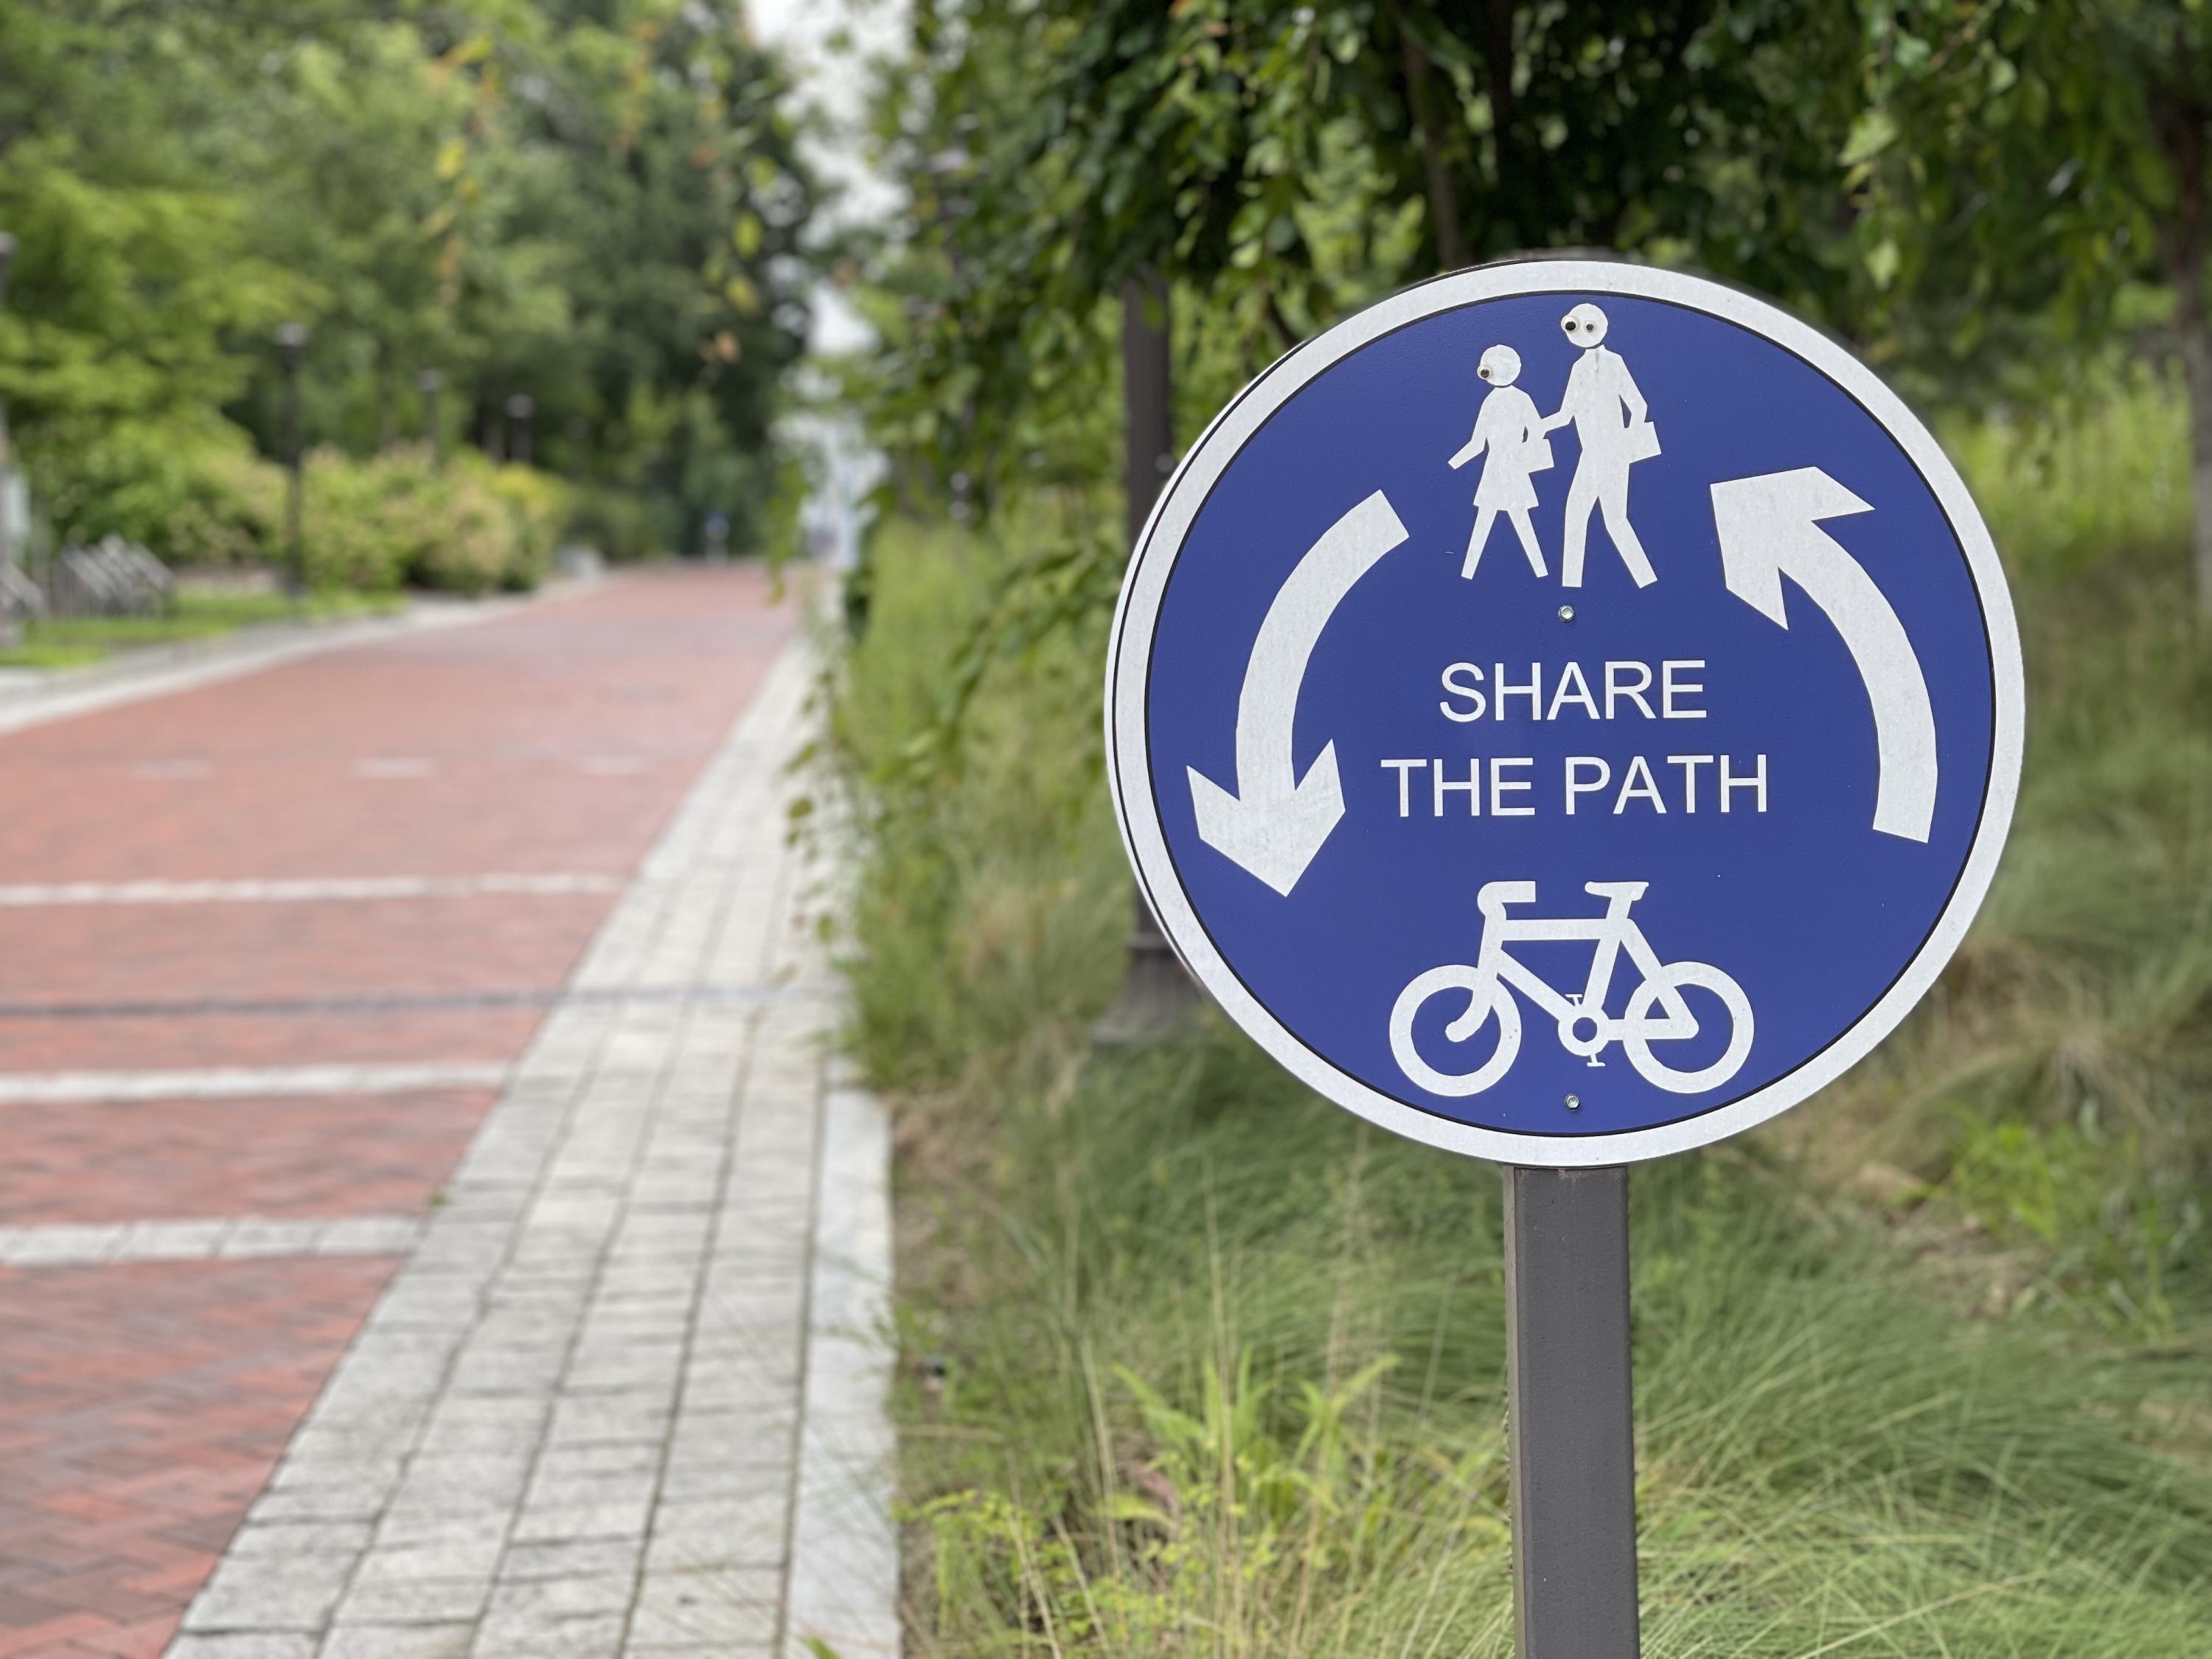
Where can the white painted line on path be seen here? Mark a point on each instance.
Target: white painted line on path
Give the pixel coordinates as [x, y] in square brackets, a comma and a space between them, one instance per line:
[308, 890]
[226, 1238]
[384, 767]
[243, 1082]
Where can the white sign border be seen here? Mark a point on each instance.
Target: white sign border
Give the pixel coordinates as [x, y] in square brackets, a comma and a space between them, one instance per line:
[1137, 616]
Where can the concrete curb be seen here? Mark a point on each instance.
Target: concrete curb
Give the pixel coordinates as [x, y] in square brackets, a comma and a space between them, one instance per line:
[843, 1590]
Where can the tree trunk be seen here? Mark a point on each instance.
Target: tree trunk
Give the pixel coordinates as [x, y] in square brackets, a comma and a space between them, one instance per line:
[2195, 342]
[2179, 119]
[387, 400]
[1497, 67]
[1157, 998]
[1421, 107]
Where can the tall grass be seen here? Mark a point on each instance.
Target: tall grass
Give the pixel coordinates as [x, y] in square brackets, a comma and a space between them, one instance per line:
[1228, 1379]
[1199, 1365]
[2067, 486]
[2057, 1082]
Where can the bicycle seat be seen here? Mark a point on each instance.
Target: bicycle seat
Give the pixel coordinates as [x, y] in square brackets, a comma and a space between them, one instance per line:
[1494, 895]
[1629, 890]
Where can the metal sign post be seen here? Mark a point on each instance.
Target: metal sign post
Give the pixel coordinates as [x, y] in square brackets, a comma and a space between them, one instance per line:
[1566, 713]
[1569, 1415]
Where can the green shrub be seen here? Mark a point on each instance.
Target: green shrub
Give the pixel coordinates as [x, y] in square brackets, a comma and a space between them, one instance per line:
[192, 491]
[189, 489]
[460, 537]
[538, 503]
[466, 526]
[349, 533]
[616, 522]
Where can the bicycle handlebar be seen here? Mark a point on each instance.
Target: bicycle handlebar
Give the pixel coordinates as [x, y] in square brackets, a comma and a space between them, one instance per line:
[1493, 896]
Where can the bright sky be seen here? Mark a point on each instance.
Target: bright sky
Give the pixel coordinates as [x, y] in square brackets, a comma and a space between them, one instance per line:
[829, 44]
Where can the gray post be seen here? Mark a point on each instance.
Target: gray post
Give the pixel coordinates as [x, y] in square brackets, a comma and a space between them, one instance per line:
[9, 632]
[1569, 1413]
[520, 408]
[7, 530]
[1147, 397]
[291, 349]
[430, 382]
[1156, 997]
[387, 415]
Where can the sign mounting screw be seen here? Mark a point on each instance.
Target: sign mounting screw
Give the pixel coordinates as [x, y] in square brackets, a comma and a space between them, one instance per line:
[1566, 613]
[1574, 1102]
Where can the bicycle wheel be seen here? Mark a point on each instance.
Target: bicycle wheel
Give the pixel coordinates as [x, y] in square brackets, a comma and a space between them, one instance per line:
[1486, 998]
[1687, 976]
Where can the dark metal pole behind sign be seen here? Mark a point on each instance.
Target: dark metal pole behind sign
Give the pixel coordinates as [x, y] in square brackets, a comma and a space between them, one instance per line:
[1569, 1413]
[1156, 997]
[1148, 396]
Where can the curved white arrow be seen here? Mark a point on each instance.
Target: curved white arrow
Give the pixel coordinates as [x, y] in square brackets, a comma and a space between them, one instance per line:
[1769, 528]
[1274, 823]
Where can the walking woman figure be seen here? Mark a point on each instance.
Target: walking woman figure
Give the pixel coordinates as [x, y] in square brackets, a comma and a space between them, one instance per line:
[1509, 427]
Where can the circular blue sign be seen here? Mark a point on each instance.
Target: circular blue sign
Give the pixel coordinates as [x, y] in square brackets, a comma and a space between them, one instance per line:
[1567, 712]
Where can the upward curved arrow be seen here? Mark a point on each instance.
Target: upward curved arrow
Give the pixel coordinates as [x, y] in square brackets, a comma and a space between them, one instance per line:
[1769, 528]
[1276, 822]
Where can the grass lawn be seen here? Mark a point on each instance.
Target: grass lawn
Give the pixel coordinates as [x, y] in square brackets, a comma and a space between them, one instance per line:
[68, 641]
[1194, 1362]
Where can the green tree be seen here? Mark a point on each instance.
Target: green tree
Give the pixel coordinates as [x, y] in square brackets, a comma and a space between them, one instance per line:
[596, 203]
[134, 269]
[1281, 162]
[2028, 164]
[657, 158]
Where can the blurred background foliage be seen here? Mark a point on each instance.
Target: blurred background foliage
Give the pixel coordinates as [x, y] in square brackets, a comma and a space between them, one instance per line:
[1995, 202]
[596, 204]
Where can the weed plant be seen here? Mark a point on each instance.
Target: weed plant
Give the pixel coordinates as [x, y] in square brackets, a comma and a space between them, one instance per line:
[1196, 1364]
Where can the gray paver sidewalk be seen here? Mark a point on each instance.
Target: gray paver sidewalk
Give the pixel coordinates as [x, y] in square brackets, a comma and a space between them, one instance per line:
[627, 1395]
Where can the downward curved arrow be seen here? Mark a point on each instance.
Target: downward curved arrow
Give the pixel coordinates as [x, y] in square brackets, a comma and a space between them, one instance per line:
[1769, 528]
[1275, 822]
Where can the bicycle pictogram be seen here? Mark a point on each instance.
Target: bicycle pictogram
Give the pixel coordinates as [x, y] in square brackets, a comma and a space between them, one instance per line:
[1657, 1012]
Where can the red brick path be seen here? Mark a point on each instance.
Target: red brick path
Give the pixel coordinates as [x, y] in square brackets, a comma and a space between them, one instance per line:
[142, 1406]
[165, 1042]
[183, 1160]
[153, 953]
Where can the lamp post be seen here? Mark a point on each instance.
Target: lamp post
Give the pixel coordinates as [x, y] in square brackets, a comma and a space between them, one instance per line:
[7, 536]
[520, 408]
[430, 382]
[291, 350]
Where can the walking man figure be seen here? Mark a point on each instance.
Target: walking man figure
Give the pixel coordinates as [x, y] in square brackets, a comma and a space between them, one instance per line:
[1599, 391]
